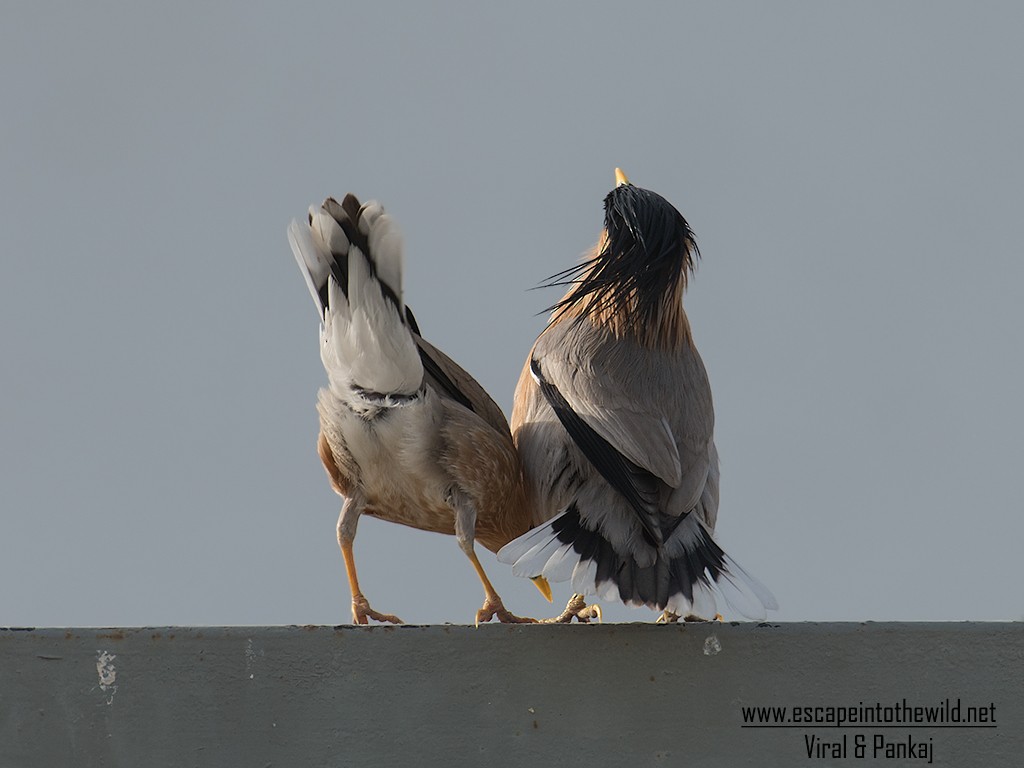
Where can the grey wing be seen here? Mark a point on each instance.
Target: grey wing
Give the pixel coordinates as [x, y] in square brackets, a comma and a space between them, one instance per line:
[652, 406]
[635, 484]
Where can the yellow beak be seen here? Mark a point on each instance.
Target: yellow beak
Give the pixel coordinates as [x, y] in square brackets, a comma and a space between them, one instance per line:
[620, 178]
[542, 584]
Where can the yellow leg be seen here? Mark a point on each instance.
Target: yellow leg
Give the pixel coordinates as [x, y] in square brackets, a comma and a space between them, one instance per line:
[361, 610]
[492, 603]
[577, 606]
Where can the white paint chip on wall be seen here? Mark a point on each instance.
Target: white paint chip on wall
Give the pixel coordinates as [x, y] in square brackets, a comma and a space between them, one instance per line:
[107, 673]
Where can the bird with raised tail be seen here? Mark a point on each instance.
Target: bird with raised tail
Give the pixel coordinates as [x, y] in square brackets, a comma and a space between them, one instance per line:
[614, 423]
[406, 435]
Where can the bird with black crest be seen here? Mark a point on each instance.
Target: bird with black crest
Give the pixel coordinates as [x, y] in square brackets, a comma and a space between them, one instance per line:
[614, 424]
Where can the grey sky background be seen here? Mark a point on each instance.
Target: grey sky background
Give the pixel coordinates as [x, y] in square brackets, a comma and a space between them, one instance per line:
[854, 174]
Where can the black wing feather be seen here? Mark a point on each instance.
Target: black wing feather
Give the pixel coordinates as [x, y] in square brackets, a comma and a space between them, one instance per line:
[638, 486]
[441, 379]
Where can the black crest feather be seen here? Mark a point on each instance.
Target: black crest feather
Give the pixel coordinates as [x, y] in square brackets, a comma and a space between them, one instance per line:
[649, 247]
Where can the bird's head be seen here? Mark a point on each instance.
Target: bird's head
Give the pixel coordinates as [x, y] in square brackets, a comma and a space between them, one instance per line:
[634, 280]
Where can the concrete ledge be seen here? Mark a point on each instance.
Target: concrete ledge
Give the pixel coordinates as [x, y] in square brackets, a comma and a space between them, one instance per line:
[614, 694]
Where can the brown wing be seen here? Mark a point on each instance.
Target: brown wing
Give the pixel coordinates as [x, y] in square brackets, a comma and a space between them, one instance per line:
[450, 380]
[485, 467]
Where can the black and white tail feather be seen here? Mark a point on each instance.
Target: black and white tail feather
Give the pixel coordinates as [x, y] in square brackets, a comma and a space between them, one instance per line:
[689, 575]
[351, 258]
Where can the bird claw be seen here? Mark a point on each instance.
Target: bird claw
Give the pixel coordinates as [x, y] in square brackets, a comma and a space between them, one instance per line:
[577, 607]
[494, 608]
[362, 613]
[717, 617]
[668, 617]
[692, 619]
[592, 611]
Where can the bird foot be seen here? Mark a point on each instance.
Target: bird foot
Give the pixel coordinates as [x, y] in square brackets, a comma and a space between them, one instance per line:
[362, 613]
[577, 607]
[668, 617]
[493, 607]
[691, 618]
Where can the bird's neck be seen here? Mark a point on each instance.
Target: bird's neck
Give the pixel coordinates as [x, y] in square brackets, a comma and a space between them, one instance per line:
[666, 327]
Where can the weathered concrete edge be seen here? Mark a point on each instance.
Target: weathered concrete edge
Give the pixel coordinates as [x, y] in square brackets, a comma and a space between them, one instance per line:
[637, 694]
[789, 626]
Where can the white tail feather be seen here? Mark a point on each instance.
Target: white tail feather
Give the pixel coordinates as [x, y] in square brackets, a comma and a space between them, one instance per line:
[386, 247]
[743, 593]
[366, 343]
[314, 264]
[328, 231]
[517, 552]
[368, 214]
[367, 347]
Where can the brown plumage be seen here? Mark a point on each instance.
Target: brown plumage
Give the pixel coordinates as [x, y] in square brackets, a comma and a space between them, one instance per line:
[406, 435]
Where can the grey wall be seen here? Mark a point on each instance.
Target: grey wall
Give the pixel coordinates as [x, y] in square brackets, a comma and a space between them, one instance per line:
[627, 694]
